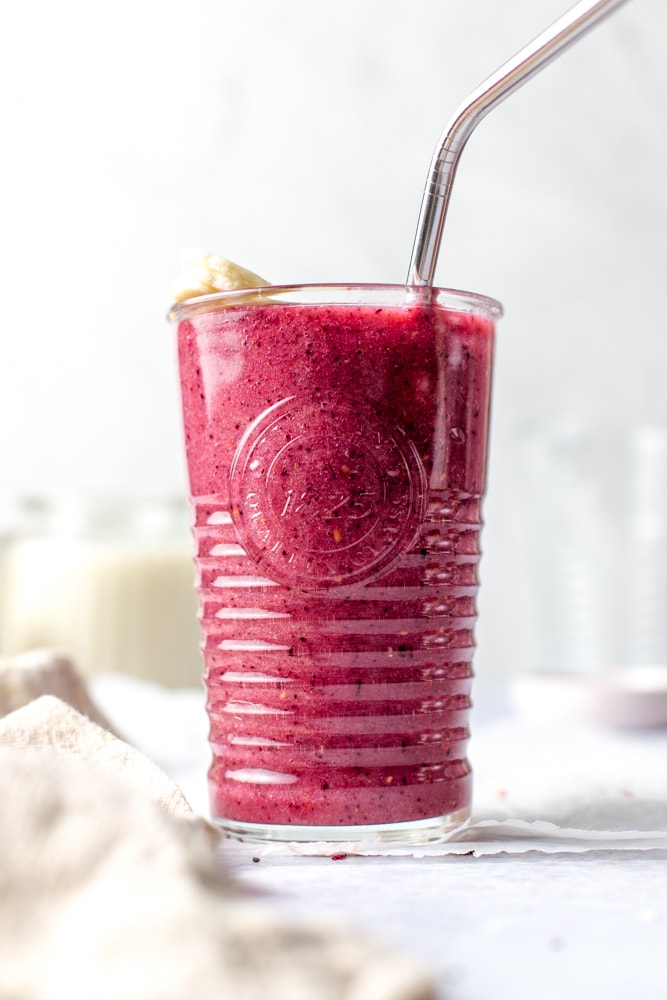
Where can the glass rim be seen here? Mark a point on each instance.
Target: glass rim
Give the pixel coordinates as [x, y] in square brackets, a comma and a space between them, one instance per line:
[342, 293]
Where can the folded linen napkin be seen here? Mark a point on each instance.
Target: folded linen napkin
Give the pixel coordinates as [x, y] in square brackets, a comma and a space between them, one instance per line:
[43, 671]
[111, 887]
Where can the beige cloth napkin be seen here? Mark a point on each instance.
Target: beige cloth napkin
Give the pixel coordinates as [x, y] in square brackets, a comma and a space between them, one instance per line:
[42, 671]
[110, 887]
[51, 725]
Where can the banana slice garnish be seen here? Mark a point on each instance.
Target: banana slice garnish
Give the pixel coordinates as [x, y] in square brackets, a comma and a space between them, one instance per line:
[204, 273]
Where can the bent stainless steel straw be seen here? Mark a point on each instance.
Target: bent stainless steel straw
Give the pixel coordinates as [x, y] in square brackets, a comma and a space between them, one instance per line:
[511, 75]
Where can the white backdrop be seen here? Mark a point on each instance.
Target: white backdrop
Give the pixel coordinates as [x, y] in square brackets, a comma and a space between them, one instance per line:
[295, 138]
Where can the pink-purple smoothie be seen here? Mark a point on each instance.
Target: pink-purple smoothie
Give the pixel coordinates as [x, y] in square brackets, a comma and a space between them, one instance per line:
[337, 460]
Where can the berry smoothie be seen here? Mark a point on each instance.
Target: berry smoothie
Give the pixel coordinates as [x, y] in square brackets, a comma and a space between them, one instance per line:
[336, 453]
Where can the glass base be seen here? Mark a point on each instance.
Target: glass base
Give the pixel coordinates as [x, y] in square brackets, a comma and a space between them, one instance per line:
[433, 830]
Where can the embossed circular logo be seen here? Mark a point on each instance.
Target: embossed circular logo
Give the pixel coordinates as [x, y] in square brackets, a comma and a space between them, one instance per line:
[324, 495]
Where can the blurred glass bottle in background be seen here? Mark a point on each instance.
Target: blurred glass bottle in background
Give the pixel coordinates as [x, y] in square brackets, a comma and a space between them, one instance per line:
[107, 582]
[598, 545]
[595, 521]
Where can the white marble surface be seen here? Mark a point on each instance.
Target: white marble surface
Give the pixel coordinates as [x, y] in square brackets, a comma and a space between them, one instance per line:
[578, 924]
[501, 928]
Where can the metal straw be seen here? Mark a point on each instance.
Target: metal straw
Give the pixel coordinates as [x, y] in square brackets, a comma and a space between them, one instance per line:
[511, 75]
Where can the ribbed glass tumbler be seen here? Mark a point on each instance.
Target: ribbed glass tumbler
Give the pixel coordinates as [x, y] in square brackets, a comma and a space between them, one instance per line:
[336, 440]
